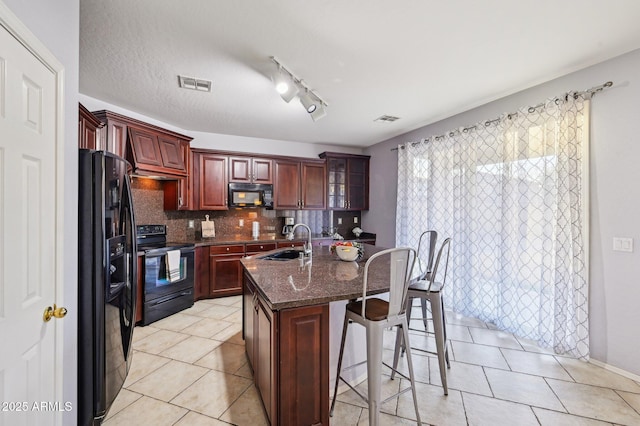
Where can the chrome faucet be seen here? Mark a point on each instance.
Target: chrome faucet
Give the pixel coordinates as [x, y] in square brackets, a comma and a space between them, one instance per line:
[307, 245]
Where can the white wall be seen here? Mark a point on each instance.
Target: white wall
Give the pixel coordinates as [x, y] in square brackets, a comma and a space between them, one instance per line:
[615, 196]
[227, 142]
[56, 25]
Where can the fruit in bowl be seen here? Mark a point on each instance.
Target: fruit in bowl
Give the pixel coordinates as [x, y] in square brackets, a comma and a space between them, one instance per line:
[348, 251]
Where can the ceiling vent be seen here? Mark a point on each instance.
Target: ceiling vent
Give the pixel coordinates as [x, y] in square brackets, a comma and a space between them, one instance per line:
[194, 83]
[386, 119]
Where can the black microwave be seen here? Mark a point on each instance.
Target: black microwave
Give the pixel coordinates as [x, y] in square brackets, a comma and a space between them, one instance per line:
[242, 195]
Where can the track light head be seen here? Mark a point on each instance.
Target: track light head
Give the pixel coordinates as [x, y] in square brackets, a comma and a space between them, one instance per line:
[308, 102]
[319, 112]
[285, 85]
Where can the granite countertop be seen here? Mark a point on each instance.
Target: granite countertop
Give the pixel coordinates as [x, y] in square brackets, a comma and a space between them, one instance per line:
[323, 279]
[263, 238]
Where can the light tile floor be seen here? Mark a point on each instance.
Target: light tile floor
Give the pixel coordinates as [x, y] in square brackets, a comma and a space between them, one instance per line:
[190, 370]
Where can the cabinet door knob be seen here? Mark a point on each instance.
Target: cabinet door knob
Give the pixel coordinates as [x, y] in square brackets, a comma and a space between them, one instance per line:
[227, 248]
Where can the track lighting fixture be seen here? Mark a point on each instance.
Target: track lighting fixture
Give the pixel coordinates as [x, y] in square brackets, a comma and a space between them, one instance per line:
[288, 86]
[285, 85]
[307, 102]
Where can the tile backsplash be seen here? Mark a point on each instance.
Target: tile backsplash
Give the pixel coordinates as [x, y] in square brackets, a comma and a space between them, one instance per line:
[148, 204]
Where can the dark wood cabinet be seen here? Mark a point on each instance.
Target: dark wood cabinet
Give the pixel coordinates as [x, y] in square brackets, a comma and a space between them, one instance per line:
[113, 138]
[250, 170]
[201, 284]
[304, 366]
[210, 181]
[285, 244]
[88, 129]
[225, 270]
[153, 152]
[178, 194]
[300, 185]
[256, 248]
[289, 353]
[347, 181]
[150, 149]
[265, 370]
[313, 185]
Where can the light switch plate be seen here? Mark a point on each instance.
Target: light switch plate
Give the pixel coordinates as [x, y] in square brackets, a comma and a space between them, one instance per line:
[623, 244]
[355, 219]
[339, 221]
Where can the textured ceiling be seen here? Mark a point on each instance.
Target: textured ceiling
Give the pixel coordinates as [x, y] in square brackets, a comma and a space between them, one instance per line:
[420, 60]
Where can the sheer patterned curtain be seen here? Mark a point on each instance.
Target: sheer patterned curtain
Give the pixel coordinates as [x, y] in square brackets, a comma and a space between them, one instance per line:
[513, 195]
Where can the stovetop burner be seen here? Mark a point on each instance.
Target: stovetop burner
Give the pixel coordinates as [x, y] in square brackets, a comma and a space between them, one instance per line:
[153, 238]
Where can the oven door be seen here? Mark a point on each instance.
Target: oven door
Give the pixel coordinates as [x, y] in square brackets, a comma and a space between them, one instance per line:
[159, 281]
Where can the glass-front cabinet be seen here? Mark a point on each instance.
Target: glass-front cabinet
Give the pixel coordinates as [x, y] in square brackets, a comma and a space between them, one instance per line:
[347, 181]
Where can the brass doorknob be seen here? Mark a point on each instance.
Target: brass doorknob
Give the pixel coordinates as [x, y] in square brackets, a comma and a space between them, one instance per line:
[54, 311]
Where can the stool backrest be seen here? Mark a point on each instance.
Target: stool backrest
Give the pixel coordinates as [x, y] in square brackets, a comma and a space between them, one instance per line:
[426, 252]
[401, 262]
[437, 275]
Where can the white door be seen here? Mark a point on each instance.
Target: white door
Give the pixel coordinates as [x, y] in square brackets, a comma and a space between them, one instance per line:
[29, 259]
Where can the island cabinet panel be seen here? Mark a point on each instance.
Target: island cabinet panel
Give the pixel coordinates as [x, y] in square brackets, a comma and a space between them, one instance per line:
[266, 370]
[225, 270]
[304, 366]
[249, 312]
[288, 351]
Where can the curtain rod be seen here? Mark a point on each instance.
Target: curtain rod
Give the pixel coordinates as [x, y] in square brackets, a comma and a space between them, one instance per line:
[591, 91]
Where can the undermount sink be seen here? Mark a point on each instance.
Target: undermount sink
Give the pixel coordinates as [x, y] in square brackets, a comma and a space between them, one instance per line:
[283, 255]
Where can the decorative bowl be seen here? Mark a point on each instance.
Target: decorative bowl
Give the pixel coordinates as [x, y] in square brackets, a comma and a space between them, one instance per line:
[348, 251]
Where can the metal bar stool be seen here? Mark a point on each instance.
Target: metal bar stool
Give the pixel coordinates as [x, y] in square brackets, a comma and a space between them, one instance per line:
[424, 260]
[430, 290]
[376, 315]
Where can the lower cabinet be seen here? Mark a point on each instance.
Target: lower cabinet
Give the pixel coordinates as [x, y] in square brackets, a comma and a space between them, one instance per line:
[201, 283]
[225, 270]
[289, 353]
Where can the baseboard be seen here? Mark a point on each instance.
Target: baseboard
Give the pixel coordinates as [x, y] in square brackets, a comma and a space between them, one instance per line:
[615, 370]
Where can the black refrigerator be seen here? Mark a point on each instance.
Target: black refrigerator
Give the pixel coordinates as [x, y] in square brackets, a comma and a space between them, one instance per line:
[107, 277]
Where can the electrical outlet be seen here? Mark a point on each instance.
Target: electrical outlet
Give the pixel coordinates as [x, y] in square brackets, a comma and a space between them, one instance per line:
[241, 222]
[623, 244]
[191, 224]
[355, 219]
[339, 221]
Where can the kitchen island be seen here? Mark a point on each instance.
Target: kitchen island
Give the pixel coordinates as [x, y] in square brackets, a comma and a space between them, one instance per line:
[286, 328]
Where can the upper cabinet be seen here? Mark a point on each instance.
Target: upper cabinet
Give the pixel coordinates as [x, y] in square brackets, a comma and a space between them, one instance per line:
[154, 152]
[347, 181]
[113, 138]
[88, 129]
[250, 170]
[151, 150]
[300, 185]
[210, 183]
